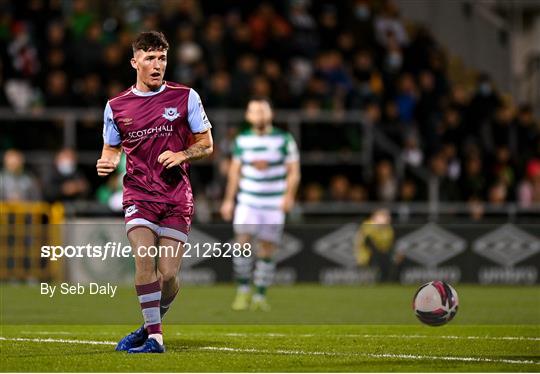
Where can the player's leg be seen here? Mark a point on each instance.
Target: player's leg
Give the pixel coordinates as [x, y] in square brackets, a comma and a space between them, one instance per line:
[244, 227]
[270, 234]
[142, 235]
[168, 267]
[242, 269]
[263, 275]
[175, 226]
[148, 287]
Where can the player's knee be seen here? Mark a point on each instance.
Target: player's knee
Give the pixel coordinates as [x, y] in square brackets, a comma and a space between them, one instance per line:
[243, 238]
[266, 248]
[169, 275]
[143, 266]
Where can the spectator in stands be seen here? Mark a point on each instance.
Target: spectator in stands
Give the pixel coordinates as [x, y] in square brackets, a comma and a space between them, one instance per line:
[305, 37]
[219, 92]
[427, 108]
[529, 188]
[358, 194]
[453, 161]
[503, 167]
[473, 182]
[368, 84]
[499, 131]
[57, 90]
[484, 103]
[408, 191]
[328, 26]
[66, 183]
[313, 193]
[213, 44]
[447, 189]
[388, 23]
[331, 69]
[339, 188]
[391, 125]
[90, 91]
[498, 194]
[527, 132]
[412, 155]
[406, 99]
[88, 51]
[15, 183]
[360, 21]
[269, 31]
[385, 186]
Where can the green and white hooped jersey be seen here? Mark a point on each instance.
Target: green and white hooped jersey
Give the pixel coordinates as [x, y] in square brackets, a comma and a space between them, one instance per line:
[263, 176]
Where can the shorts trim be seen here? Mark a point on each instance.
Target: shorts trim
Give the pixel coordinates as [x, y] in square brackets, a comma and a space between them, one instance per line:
[141, 222]
[167, 232]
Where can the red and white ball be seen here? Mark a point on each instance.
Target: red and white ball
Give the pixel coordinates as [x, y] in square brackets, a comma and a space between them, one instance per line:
[435, 303]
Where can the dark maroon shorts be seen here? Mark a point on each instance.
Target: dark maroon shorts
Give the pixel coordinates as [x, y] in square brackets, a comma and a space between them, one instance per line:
[165, 220]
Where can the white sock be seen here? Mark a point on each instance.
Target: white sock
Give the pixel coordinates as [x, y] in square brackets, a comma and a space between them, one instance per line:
[158, 337]
[244, 288]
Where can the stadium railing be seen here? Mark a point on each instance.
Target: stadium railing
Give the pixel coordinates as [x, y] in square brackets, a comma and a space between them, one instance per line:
[24, 228]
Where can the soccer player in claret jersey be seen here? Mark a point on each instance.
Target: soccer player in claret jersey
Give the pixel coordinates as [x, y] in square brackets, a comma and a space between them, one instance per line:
[263, 176]
[161, 126]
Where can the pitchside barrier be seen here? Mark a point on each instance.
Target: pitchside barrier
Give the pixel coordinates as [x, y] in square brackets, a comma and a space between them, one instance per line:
[24, 228]
[324, 253]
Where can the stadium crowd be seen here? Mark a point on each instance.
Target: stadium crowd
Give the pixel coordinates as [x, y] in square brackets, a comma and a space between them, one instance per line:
[310, 55]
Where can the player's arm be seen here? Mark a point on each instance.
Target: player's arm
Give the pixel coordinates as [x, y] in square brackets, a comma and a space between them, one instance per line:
[112, 149]
[233, 180]
[293, 174]
[361, 251]
[110, 157]
[203, 145]
[293, 180]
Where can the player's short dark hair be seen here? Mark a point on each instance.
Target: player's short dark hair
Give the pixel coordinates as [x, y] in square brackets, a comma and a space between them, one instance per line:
[150, 41]
[264, 99]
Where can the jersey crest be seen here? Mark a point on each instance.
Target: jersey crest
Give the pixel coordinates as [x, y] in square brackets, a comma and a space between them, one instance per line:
[171, 114]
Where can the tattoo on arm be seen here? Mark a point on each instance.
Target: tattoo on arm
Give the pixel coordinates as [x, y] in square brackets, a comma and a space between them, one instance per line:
[197, 151]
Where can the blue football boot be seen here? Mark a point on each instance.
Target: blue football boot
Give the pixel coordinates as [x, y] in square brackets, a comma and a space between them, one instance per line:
[133, 340]
[151, 345]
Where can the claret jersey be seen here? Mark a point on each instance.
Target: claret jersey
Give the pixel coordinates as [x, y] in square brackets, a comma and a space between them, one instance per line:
[147, 124]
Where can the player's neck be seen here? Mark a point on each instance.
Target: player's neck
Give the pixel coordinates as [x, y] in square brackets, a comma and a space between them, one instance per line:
[141, 87]
[264, 131]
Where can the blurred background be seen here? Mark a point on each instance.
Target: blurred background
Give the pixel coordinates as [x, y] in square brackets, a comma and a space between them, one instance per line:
[429, 108]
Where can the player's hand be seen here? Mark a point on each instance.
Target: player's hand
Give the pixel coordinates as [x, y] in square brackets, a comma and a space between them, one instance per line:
[105, 167]
[170, 159]
[226, 210]
[287, 204]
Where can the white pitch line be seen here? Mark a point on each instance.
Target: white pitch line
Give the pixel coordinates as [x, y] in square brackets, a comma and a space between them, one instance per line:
[51, 340]
[47, 332]
[371, 355]
[294, 352]
[376, 336]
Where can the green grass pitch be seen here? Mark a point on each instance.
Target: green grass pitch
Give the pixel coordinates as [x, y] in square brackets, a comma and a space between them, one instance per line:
[310, 329]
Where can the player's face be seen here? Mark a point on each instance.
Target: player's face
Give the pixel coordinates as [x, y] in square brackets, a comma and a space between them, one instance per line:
[259, 114]
[150, 67]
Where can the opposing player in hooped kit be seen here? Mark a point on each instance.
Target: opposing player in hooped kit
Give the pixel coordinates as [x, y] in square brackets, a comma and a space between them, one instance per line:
[161, 126]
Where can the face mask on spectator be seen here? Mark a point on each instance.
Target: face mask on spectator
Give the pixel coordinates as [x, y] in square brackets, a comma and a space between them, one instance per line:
[485, 88]
[394, 60]
[362, 12]
[66, 167]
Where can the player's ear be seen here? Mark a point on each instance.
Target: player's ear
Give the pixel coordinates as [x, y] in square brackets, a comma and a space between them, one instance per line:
[134, 63]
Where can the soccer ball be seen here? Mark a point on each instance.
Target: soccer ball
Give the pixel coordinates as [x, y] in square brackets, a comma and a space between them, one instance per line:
[435, 303]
